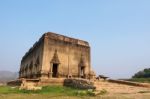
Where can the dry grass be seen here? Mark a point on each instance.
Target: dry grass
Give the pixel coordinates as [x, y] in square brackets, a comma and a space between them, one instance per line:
[46, 96]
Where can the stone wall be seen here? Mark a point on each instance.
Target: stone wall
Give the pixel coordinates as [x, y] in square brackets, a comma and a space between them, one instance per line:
[35, 84]
[51, 81]
[73, 58]
[15, 82]
[79, 83]
[71, 54]
[31, 63]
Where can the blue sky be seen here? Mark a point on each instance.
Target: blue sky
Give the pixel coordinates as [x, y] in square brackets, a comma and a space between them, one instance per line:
[117, 30]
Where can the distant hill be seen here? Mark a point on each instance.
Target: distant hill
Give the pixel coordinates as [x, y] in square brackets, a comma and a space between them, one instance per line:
[6, 76]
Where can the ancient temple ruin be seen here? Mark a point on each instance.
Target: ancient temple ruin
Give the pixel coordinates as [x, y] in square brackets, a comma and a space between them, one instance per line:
[56, 56]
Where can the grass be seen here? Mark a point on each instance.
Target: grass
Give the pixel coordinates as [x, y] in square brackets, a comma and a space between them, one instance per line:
[60, 92]
[141, 80]
[51, 90]
[144, 92]
[47, 92]
[8, 90]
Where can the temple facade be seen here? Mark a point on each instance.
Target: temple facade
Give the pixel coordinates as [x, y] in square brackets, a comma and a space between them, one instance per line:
[55, 56]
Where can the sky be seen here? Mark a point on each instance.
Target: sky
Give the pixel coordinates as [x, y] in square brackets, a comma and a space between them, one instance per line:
[118, 31]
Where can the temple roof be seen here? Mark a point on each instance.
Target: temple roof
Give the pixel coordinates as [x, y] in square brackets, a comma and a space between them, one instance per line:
[59, 37]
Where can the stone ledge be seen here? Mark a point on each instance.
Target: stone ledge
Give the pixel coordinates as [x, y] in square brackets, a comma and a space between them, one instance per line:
[130, 83]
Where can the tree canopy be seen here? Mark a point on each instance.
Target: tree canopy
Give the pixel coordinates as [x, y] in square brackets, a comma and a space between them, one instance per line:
[143, 74]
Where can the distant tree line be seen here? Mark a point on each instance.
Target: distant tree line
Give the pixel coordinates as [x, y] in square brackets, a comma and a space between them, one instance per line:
[143, 74]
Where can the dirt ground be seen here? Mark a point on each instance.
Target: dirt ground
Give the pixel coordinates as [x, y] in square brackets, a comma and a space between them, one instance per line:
[124, 91]
[120, 88]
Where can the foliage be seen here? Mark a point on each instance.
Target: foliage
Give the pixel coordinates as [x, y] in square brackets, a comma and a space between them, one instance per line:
[143, 74]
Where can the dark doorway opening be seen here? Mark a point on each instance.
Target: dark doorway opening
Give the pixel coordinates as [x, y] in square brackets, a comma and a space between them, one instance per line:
[82, 72]
[55, 70]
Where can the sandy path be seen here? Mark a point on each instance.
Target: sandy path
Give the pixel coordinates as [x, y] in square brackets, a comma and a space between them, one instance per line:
[120, 88]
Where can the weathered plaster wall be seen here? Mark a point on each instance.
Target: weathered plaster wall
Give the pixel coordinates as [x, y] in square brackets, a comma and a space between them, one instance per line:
[70, 52]
[69, 55]
[31, 63]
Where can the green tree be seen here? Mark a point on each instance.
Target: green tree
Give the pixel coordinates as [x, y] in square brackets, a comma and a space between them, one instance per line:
[143, 74]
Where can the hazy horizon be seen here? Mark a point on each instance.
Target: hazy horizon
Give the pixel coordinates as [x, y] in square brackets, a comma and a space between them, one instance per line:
[118, 31]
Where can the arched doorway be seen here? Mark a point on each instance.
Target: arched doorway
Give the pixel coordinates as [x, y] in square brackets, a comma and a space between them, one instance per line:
[54, 66]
